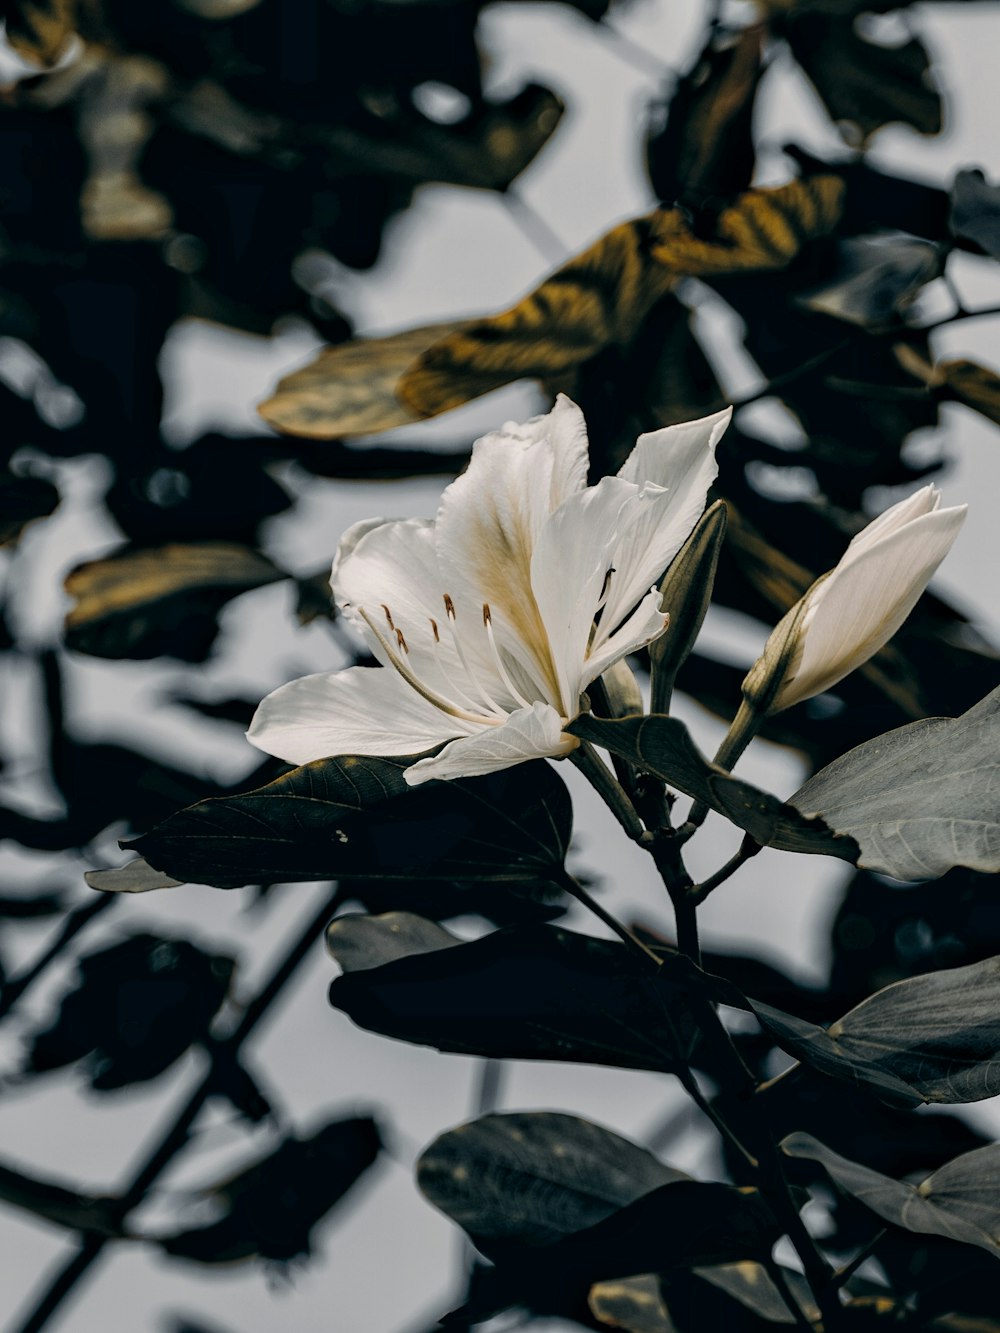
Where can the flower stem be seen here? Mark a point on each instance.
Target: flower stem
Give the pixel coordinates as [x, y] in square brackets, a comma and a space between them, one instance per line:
[742, 730]
[600, 777]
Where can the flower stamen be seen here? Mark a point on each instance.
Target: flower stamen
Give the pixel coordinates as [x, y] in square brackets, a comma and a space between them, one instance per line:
[425, 692]
[504, 674]
[490, 702]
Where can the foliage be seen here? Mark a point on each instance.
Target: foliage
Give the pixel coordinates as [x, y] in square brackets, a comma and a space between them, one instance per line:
[216, 160]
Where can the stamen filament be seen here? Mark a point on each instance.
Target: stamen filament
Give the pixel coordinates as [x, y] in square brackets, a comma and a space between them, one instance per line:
[490, 702]
[504, 674]
[425, 692]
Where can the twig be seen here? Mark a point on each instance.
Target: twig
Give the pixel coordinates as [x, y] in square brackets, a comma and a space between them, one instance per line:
[844, 1274]
[748, 848]
[573, 887]
[91, 1248]
[12, 990]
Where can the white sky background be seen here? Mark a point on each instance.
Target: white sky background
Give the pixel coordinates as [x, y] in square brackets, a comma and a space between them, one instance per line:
[395, 1262]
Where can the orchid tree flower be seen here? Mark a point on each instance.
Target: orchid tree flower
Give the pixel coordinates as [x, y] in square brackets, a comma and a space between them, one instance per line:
[490, 620]
[851, 612]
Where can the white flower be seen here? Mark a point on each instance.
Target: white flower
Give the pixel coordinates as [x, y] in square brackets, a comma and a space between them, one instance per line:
[483, 619]
[851, 612]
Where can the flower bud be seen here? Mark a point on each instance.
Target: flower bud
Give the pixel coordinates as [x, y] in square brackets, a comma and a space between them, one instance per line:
[851, 612]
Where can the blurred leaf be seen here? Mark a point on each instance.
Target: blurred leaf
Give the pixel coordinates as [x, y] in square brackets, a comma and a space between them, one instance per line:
[350, 389]
[533, 993]
[884, 932]
[861, 82]
[705, 149]
[174, 496]
[141, 602]
[959, 381]
[358, 942]
[137, 1008]
[272, 1207]
[315, 599]
[632, 1303]
[66, 1208]
[975, 211]
[762, 230]
[532, 1177]
[355, 817]
[600, 298]
[918, 800]
[662, 746]
[875, 280]
[933, 1038]
[752, 1285]
[39, 30]
[23, 499]
[960, 1201]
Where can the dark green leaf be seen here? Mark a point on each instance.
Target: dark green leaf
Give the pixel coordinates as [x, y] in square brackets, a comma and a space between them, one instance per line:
[918, 800]
[533, 993]
[355, 817]
[534, 1176]
[934, 1038]
[679, 1225]
[663, 746]
[360, 942]
[961, 1201]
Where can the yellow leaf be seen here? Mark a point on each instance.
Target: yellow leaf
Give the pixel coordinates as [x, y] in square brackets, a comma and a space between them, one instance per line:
[350, 389]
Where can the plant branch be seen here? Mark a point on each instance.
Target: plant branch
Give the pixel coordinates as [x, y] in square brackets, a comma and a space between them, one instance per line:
[572, 886]
[747, 849]
[614, 795]
[844, 1274]
[175, 1138]
[12, 990]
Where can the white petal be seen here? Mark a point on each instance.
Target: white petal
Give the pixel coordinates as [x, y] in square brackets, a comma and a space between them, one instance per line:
[646, 623]
[487, 526]
[363, 710]
[392, 570]
[568, 571]
[863, 602]
[674, 469]
[664, 456]
[530, 733]
[924, 501]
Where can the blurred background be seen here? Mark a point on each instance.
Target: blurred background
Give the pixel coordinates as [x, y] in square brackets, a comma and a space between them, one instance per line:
[195, 197]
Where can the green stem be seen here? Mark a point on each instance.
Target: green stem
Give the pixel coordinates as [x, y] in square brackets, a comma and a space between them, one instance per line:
[742, 730]
[614, 795]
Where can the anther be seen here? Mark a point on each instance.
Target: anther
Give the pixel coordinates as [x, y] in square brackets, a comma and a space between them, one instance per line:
[388, 615]
[449, 607]
[434, 627]
[401, 641]
[487, 618]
